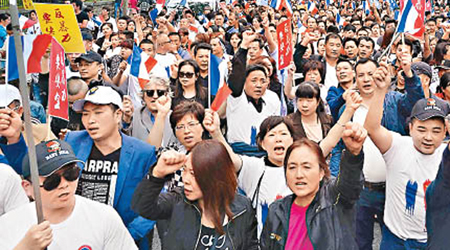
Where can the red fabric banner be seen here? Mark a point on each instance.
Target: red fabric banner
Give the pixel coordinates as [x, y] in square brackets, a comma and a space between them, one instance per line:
[58, 102]
[284, 35]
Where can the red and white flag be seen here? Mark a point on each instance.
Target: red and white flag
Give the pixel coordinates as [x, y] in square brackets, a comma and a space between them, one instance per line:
[284, 35]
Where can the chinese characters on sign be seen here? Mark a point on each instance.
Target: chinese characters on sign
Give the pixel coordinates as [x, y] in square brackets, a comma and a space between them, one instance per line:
[58, 103]
[59, 21]
[28, 4]
[284, 35]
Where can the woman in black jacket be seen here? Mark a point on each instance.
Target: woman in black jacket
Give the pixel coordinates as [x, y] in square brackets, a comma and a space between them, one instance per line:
[320, 212]
[206, 213]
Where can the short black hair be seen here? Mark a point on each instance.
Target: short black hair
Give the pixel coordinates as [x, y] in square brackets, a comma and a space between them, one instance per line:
[332, 36]
[201, 46]
[174, 34]
[255, 67]
[146, 41]
[350, 39]
[78, 3]
[364, 61]
[268, 124]
[366, 38]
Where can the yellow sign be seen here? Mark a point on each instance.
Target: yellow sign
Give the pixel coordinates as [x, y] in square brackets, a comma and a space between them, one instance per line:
[28, 4]
[59, 21]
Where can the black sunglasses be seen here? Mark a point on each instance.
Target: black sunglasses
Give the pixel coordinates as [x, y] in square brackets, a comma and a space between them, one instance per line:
[185, 74]
[70, 174]
[151, 92]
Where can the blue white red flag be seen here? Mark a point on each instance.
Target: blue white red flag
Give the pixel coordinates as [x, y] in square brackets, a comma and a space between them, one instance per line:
[412, 17]
[279, 4]
[312, 8]
[33, 47]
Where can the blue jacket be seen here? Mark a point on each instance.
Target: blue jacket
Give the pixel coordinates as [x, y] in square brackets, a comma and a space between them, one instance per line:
[14, 153]
[335, 100]
[136, 158]
[396, 111]
[438, 206]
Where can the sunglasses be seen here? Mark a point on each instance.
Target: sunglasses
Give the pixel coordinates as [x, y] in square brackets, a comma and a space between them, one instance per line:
[186, 74]
[70, 174]
[151, 92]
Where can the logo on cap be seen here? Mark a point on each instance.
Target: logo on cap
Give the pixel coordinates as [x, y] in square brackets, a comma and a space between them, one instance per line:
[431, 102]
[85, 247]
[93, 90]
[53, 146]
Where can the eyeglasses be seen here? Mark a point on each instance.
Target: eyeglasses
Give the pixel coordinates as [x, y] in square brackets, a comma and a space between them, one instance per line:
[70, 174]
[186, 74]
[151, 92]
[190, 125]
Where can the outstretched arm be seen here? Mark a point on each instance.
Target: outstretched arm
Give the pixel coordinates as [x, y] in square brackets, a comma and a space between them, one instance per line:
[156, 135]
[380, 136]
[334, 135]
[211, 122]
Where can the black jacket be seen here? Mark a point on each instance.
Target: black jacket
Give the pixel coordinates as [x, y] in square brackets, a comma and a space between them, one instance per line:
[330, 218]
[183, 217]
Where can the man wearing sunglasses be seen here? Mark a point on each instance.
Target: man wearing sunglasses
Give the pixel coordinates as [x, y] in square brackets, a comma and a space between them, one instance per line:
[115, 162]
[71, 221]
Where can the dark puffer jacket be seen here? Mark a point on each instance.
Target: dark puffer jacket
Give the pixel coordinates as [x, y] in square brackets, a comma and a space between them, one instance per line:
[183, 217]
[330, 216]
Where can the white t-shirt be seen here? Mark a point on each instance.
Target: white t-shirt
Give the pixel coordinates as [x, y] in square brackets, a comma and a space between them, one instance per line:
[330, 78]
[273, 185]
[374, 168]
[409, 173]
[91, 225]
[243, 119]
[12, 194]
[165, 60]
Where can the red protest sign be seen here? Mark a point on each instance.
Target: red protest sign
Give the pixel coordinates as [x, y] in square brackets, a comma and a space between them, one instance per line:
[58, 103]
[284, 35]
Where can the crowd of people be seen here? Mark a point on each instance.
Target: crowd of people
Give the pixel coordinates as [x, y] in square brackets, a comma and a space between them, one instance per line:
[353, 133]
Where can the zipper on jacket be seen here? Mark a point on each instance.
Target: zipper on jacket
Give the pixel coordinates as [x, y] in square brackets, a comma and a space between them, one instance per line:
[200, 230]
[228, 226]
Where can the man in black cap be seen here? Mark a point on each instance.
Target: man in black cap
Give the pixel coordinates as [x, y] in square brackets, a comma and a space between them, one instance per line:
[91, 67]
[411, 161]
[71, 221]
[425, 73]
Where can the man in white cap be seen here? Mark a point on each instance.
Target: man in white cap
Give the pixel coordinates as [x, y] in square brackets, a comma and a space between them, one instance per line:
[11, 125]
[115, 163]
[71, 221]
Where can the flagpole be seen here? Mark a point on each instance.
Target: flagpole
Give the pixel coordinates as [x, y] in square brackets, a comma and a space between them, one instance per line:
[26, 108]
[209, 80]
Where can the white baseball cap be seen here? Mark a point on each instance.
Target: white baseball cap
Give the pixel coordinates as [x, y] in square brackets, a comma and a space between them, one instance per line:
[101, 95]
[8, 94]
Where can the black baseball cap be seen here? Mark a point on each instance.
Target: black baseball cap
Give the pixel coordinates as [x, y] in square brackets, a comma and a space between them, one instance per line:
[422, 68]
[91, 56]
[51, 156]
[427, 108]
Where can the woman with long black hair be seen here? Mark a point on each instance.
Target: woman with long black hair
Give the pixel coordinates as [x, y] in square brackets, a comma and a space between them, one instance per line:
[187, 85]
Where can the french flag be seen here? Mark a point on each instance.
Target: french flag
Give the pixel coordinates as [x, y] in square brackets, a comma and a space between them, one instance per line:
[33, 47]
[213, 74]
[141, 65]
[221, 96]
[366, 8]
[279, 4]
[340, 21]
[312, 8]
[158, 7]
[412, 18]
